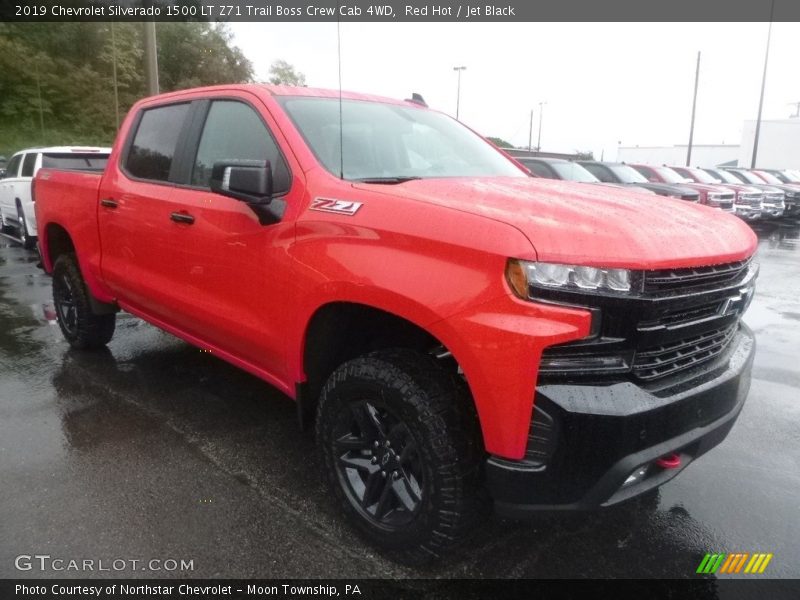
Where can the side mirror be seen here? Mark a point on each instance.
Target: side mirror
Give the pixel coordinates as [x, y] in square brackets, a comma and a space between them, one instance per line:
[248, 181]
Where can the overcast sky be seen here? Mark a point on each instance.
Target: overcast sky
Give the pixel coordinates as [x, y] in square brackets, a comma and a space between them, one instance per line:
[603, 83]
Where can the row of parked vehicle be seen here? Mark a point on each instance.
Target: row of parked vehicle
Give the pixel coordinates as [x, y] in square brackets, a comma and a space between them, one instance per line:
[749, 193]
[17, 216]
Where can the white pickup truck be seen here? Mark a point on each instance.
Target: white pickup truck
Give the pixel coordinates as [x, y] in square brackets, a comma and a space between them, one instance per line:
[16, 204]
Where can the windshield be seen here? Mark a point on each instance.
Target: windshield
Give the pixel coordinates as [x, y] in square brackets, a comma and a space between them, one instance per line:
[747, 177]
[724, 176]
[391, 142]
[701, 176]
[769, 177]
[669, 176]
[627, 174]
[573, 172]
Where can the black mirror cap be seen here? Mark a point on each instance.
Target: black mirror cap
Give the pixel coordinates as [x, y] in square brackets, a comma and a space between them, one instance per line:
[248, 181]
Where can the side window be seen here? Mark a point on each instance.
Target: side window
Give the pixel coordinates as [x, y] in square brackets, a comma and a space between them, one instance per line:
[600, 172]
[13, 167]
[647, 173]
[234, 132]
[540, 169]
[28, 164]
[153, 148]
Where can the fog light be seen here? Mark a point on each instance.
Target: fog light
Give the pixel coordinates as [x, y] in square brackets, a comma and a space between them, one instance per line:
[670, 461]
[637, 475]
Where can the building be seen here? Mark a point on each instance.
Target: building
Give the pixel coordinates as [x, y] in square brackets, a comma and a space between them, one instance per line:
[778, 148]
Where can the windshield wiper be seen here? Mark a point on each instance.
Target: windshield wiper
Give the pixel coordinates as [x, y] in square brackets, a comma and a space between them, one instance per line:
[386, 180]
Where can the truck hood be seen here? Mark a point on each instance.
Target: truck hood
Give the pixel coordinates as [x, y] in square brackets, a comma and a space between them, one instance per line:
[591, 225]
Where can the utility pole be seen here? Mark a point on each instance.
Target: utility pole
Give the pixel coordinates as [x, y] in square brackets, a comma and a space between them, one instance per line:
[39, 93]
[150, 58]
[539, 140]
[763, 85]
[530, 132]
[114, 69]
[458, 89]
[694, 107]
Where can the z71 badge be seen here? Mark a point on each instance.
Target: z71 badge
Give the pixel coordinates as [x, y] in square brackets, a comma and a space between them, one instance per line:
[342, 207]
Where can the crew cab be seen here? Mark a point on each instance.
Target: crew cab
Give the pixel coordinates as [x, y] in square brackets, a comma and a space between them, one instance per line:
[710, 194]
[748, 200]
[16, 203]
[623, 174]
[449, 325]
[567, 170]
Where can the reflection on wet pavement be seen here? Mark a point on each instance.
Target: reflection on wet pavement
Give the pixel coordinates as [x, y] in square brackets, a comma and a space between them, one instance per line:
[154, 449]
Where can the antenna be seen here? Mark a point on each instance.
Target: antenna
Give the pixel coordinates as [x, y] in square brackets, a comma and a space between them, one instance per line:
[341, 130]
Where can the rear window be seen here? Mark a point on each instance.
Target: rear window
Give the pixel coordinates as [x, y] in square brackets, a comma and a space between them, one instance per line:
[153, 148]
[74, 161]
[28, 164]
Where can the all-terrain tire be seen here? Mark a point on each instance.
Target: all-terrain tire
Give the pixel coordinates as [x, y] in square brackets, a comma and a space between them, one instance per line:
[426, 413]
[83, 329]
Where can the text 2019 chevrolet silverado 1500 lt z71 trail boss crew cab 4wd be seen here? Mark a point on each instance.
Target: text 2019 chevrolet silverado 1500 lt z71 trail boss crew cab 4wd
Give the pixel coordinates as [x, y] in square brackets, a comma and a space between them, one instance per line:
[449, 324]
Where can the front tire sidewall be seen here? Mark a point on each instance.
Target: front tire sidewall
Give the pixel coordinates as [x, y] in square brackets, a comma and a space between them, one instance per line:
[24, 235]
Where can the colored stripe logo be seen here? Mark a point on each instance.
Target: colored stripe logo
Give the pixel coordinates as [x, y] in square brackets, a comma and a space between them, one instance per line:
[739, 562]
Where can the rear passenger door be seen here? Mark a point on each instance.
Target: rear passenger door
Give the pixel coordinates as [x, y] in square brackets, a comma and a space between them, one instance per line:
[135, 204]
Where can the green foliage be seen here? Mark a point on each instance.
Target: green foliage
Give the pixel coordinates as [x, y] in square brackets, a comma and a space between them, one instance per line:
[57, 84]
[500, 142]
[282, 73]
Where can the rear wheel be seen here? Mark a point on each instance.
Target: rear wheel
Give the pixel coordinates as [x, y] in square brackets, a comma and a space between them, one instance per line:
[81, 327]
[401, 452]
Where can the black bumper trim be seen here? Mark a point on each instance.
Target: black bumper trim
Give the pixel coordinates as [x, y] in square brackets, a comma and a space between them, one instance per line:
[605, 439]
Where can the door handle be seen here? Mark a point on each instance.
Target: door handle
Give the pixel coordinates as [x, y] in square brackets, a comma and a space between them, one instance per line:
[109, 203]
[182, 217]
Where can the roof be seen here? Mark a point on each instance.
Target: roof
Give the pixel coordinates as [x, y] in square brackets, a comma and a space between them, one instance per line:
[66, 149]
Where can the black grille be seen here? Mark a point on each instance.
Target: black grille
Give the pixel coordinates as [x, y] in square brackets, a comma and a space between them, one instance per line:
[651, 363]
[675, 280]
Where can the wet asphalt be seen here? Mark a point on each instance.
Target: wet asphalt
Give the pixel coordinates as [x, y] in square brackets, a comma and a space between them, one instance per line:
[155, 450]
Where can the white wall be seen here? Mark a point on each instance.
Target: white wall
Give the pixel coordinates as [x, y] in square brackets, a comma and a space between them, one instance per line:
[702, 155]
[778, 145]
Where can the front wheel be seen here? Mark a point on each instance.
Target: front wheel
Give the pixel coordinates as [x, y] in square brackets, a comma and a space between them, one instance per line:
[82, 328]
[401, 452]
[28, 241]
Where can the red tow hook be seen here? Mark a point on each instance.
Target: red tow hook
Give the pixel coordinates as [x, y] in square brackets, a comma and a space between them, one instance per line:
[670, 461]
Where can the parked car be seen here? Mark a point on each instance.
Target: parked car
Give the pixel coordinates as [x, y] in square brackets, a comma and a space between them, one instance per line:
[712, 195]
[621, 173]
[729, 179]
[791, 189]
[774, 198]
[449, 324]
[16, 202]
[568, 170]
[748, 199]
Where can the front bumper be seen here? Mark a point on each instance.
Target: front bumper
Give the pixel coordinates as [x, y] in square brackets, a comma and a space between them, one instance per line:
[747, 213]
[595, 437]
[772, 211]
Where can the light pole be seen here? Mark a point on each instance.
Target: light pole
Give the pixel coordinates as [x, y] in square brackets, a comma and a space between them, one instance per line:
[763, 85]
[539, 138]
[458, 89]
[694, 107]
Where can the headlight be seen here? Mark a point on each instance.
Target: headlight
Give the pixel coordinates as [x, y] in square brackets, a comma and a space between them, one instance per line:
[522, 275]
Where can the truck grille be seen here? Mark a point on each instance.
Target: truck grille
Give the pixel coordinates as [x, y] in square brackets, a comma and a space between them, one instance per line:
[680, 319]
[751, 200]
[675, 280]
[652, 363]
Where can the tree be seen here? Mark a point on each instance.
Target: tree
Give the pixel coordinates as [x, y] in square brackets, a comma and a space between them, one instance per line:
[500, 142]
[283, 73]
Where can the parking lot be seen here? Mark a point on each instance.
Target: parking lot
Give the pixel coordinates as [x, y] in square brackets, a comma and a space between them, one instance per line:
[156, 450]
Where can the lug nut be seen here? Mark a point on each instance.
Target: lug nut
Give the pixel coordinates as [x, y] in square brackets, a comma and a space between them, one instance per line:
[383, 473]
[395, 475]
[388, 443]
[374, 460]
[376, 444]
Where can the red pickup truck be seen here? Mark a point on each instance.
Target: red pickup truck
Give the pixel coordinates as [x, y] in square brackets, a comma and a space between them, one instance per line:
[449, 325]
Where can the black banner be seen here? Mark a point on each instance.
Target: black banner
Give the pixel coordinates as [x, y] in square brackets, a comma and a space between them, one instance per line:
[401, 10]
[377, 589]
